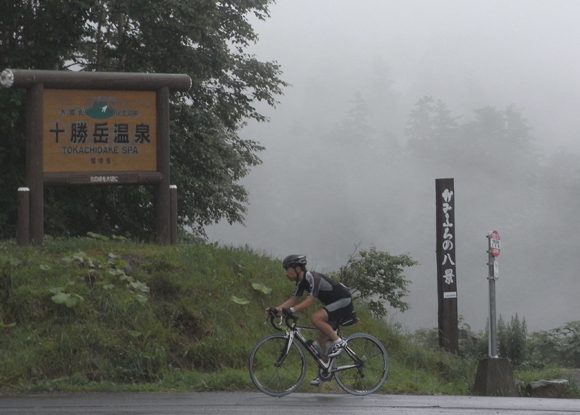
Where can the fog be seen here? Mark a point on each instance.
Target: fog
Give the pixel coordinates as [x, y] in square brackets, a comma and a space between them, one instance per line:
[339, 170]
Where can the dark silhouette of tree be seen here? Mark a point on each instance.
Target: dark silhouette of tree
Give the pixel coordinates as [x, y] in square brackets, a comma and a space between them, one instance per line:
[431, 131]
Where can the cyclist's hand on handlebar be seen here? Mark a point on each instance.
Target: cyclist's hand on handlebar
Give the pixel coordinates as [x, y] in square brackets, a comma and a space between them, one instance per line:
[287, 312]
[271, 312]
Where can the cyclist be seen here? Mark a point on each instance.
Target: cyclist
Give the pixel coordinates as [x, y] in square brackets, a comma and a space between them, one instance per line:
[335, 296]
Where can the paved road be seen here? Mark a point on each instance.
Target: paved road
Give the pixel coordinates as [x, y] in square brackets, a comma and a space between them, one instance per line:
[259, 404]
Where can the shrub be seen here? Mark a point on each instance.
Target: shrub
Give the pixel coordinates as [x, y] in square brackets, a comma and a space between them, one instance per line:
[375, 277]
[512, 338]
[559, 346]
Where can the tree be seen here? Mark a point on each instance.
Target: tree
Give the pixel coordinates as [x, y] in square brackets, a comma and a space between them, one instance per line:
[499, 135]
[431, 130]
[373, 274]
[203, 38]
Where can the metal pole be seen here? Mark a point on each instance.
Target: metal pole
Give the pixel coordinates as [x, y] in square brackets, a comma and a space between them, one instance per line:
[492, 306]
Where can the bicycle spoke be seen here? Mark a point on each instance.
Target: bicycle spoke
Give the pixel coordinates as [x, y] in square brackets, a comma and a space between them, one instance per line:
[271, 371]
[370, 361]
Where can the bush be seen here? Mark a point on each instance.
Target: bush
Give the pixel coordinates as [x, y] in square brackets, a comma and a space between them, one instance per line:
[560, 346]
[375, 277]
[512, 338]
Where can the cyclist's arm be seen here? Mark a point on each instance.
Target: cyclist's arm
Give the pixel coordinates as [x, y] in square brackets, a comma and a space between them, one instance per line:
[288, 303]
[305, 304]
[292, 300]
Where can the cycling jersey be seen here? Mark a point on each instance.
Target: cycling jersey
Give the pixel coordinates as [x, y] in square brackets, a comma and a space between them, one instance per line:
[319, 285]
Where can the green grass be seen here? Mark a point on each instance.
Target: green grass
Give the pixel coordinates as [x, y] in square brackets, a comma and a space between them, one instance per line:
[95, 314]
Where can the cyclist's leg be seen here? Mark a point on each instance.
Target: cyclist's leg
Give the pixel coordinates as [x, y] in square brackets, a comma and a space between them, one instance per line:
[331, 313]
[334, 312]
[324, 346]
[320, 320]
[323, 343]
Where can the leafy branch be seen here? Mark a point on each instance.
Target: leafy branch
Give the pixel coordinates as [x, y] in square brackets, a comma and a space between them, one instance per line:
[377, 277]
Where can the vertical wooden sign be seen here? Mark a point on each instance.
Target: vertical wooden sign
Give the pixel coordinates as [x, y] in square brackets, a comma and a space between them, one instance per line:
[446, 269]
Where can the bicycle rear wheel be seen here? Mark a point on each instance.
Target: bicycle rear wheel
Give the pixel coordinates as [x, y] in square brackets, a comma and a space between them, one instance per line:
[363, 366]
[274, 372]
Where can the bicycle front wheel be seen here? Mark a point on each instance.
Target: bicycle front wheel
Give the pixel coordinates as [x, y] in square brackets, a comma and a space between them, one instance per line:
[362, 367]
[274, 371]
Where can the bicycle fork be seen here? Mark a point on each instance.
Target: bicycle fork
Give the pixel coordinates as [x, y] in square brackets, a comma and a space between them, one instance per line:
[285, 350]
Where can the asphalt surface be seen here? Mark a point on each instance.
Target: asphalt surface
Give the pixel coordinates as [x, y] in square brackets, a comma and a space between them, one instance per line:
[259, 404]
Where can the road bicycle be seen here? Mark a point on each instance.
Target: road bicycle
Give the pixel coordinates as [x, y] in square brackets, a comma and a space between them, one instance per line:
[277, 362]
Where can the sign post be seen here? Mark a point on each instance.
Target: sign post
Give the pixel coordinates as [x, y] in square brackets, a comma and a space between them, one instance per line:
[97, 128]
[446, 270]
[493, 251]
[494, 376]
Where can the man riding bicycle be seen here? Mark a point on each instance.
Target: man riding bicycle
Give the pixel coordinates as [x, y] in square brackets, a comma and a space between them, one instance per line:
[335, 296]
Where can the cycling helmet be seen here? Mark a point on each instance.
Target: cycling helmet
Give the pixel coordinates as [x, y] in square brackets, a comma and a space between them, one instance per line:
[294, 261]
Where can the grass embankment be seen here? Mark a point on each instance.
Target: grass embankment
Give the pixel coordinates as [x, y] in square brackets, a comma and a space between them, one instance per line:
[95, 314]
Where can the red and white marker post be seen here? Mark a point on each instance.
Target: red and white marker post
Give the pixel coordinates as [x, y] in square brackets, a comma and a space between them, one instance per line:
[494, 249]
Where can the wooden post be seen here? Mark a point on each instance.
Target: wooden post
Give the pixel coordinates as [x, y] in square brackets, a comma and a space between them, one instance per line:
[34, 168]
[162, 198]
[23, 216]
[25, 78]
[446, 271]
[173, 221]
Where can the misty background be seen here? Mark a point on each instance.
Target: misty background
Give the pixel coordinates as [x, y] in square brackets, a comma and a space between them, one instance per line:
[388, 96]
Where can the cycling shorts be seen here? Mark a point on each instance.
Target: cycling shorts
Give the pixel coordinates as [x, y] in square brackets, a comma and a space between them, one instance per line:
[338, 310]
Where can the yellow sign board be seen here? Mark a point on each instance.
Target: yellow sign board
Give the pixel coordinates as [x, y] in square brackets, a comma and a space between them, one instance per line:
[90, 130]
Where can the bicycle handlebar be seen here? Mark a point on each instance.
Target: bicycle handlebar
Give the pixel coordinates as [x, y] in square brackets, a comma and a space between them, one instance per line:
[273, 313]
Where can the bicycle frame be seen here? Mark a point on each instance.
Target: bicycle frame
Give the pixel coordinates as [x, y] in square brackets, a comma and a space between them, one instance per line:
[293, 333]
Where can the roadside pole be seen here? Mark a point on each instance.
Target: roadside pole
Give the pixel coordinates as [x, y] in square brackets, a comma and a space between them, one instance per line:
[493, 251]
[494, 376]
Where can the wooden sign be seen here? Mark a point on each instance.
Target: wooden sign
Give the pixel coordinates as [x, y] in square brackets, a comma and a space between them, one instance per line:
[96, 130]
[446, 269]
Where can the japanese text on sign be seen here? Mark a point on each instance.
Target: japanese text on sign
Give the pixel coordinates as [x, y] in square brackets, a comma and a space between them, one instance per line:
[446, 270]
[88, 131]
[447, 245]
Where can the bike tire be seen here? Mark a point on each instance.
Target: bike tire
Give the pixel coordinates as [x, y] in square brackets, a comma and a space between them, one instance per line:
[370, 365]
[270, 373]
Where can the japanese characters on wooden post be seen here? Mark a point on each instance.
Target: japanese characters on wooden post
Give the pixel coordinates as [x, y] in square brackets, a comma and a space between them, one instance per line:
[446, 269]
[97, 128]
